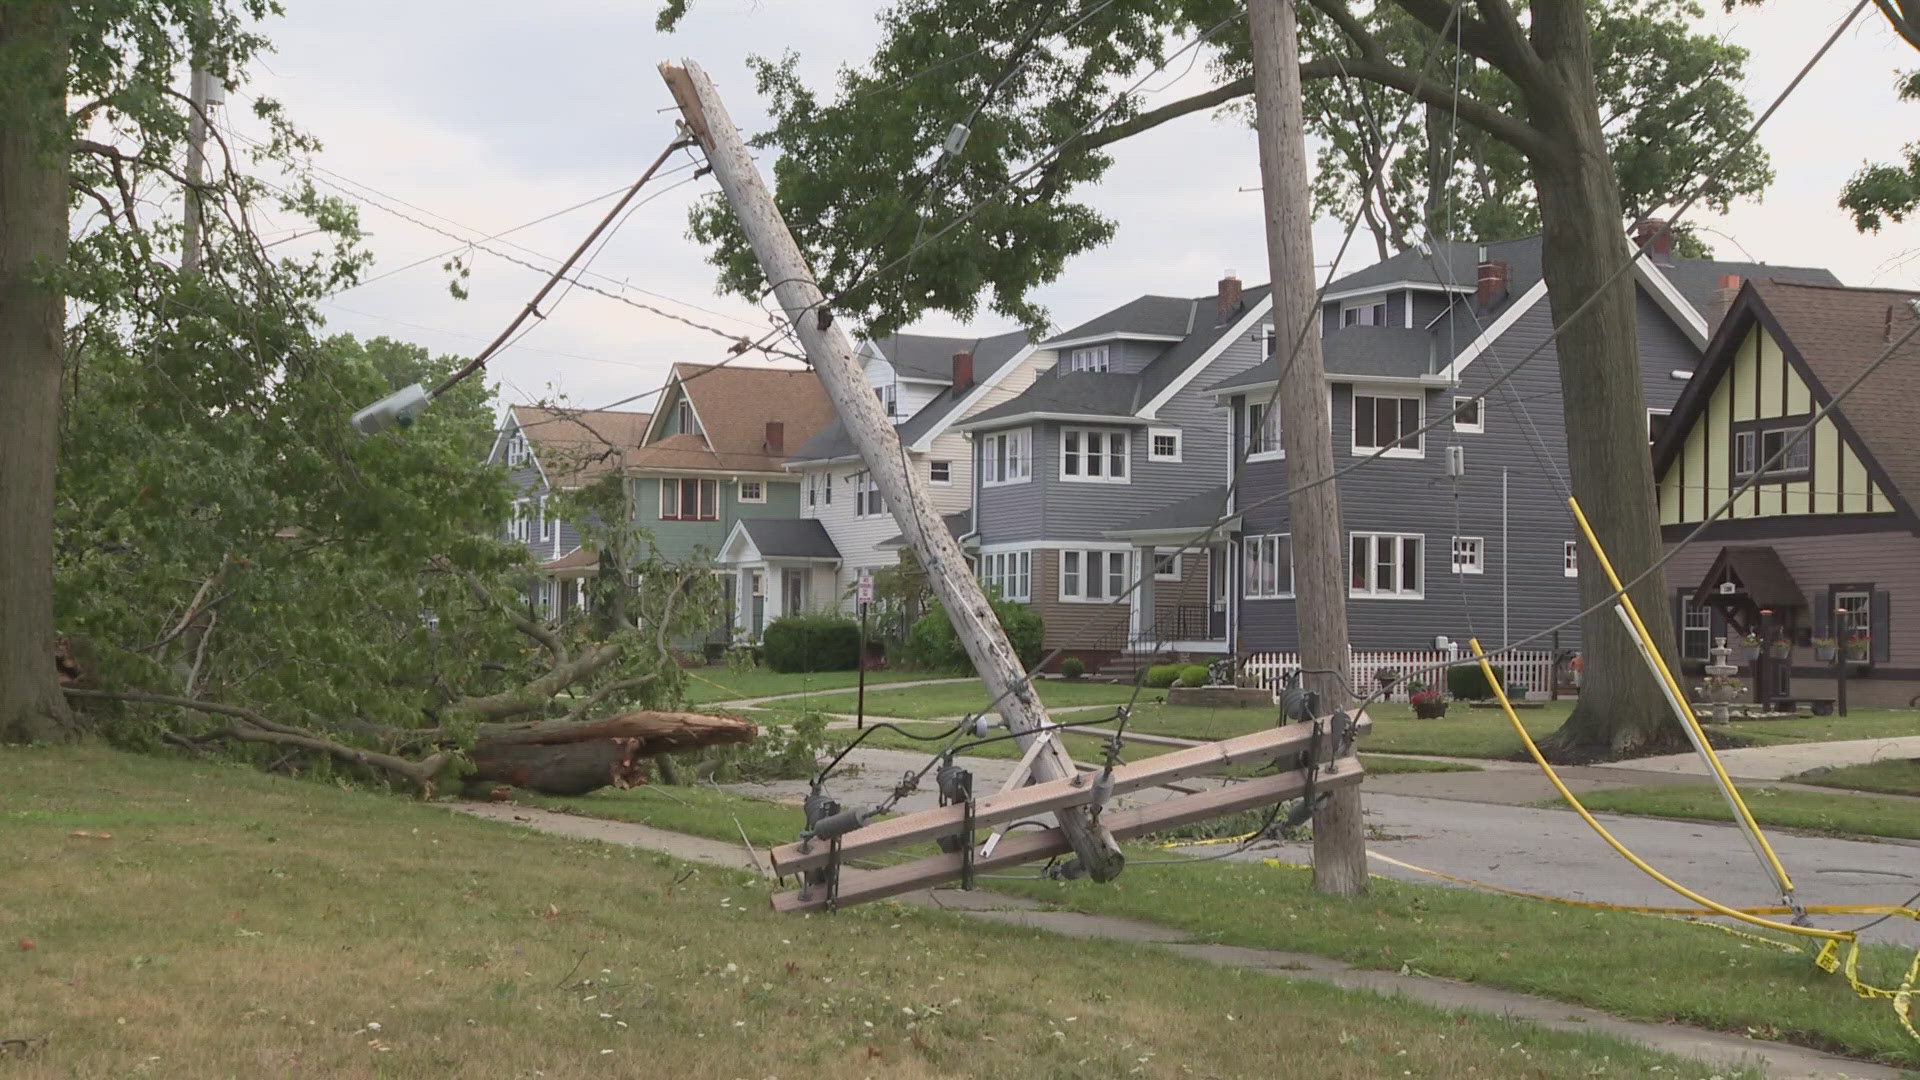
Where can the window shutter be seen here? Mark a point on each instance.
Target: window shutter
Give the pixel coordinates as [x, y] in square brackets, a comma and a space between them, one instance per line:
[1882, 623]
[1823, 613]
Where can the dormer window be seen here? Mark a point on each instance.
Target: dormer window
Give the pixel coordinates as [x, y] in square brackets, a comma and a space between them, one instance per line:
[1364, 313]
[1089, 358]
[517, 450]
[889, 401]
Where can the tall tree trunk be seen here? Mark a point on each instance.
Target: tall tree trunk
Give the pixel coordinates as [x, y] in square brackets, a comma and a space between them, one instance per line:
[33, 241]
[1621, 711]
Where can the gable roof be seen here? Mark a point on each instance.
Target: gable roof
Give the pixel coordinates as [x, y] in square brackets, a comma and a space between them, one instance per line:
[787, 538]
[574, 446]
[735, 405]
[1759, 570]
[1830, 334]
[1114, 396]
[1170, 317]
[990, 356]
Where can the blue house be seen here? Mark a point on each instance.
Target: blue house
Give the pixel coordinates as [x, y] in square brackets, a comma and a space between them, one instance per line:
[1492, 551]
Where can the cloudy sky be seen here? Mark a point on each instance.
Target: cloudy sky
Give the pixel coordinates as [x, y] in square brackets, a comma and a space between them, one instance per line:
[476, 116]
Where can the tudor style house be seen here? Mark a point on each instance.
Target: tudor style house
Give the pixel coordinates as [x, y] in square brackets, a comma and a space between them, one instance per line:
[551, 450]
[711, 456]
[1823, 545]
[1085, 481]
[927, 383]
[1432, 555]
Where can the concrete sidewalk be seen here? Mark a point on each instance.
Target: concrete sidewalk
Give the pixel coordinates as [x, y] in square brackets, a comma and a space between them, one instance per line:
[1710, 1047]
[1780, 762]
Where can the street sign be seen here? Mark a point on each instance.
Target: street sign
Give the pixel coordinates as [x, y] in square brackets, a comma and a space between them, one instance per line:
[865, 594]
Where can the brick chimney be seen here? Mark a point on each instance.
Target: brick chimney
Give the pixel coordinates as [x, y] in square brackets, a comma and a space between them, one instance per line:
[962, 371]
[1229, 296]
[1657, 238]
[1492, 288]
[776, 441]
[1723, 298]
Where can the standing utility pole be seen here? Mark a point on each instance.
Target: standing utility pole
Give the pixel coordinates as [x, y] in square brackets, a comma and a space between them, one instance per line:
[1320, 593]
[197, 95]
[831, 354]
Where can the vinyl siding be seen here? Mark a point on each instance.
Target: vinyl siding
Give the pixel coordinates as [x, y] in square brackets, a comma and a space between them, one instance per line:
[679, 541]
[1414, 496]
[1123, 357]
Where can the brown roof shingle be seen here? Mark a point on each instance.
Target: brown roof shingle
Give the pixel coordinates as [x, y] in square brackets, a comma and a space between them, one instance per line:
[576, 445]
[1839, 332]
[735, 404]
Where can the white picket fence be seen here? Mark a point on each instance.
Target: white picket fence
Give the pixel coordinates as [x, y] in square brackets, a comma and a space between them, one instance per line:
[1531, 669]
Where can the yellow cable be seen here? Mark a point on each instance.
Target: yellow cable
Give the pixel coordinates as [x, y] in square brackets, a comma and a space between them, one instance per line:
[1540, 759]
[1679, 696]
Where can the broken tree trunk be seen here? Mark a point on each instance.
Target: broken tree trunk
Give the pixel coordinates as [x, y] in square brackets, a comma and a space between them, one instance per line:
[558, 757]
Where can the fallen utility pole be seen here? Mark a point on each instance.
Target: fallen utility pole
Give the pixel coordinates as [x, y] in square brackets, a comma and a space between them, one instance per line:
[1320, 604]
[831, 354]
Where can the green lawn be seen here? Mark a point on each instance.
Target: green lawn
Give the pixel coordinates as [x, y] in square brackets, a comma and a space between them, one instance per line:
[1897, 776]
[1631, 965]
[1463, 732]
[1855, 815]
[958, 699]
[717, 682]
[1862, 724]
[700, 811]
[237, 924]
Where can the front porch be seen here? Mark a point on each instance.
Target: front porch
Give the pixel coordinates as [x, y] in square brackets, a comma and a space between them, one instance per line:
[1183, 577]
[773, 568]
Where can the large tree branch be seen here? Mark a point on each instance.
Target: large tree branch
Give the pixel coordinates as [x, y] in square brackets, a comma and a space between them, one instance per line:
[547, 638]
[1153, 118]
[1495, 37]
[536, 694]
[1515, 132]
[252, 727]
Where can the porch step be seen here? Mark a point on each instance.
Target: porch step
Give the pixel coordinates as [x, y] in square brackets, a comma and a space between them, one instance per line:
[1127, 665]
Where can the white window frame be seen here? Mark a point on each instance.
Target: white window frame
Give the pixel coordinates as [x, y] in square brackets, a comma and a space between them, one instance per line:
[1570, 558]
[1398, 590]
[867, 500]
[1011, 572]
[685, 419]
[1268, 413]
[1172, 574]
[1856, 620]
[1089, 358]
[759, 487]
[544, 523]
[1469, 555]
[1478, 426]
[1651, 413]
[1153, 449]
[699, 490]
[1364, 305]
[1695, 619]
[1257, 553]
[1420, 419]
[940, 472]
[889, 395]
[518, 527]
[517, 450]
[1083, 454]
[1113, 569]
[1006, 457]
[813, 490]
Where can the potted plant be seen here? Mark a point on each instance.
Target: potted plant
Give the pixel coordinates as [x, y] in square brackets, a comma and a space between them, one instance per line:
[1781, 648]
[1428, 704]
[1857, 646]
[1825, 649]
[1386, 677]
[1750, 647]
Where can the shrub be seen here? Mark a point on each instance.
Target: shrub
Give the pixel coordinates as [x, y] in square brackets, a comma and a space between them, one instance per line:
[1193, 675]
[1161, 676]
[932, 642]
[812, 643]
[1468, 683]
[1073, 668]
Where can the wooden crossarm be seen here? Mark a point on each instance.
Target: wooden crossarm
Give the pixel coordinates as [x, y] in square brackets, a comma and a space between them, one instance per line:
[1030, 845]
[1058, 794]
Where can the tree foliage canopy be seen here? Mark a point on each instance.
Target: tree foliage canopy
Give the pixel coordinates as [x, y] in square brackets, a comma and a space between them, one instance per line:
[861, 174]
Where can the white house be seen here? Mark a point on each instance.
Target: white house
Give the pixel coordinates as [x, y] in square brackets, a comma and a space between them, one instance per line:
[927, 384]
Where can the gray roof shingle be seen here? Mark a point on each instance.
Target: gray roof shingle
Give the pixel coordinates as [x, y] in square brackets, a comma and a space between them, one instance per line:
[990, 354]
[1197, 511]
[958, 525]
[1161, 316]
[790, 538]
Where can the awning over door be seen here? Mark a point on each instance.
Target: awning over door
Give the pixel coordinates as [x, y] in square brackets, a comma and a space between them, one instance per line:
[1759, 579]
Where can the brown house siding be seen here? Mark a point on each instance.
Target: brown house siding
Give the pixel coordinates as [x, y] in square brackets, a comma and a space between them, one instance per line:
[1082, 629]
[1888, 560]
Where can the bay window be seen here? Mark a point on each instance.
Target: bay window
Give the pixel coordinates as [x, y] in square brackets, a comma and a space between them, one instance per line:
[1006, 457]
[1010, 573]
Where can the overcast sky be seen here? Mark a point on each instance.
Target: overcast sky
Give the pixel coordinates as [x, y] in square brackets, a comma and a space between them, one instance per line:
[478, 116]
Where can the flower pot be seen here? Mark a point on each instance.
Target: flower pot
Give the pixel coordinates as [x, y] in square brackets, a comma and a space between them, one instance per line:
[1430, 711]
[1780, 652]
[1751, 652]
[1824, 653]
